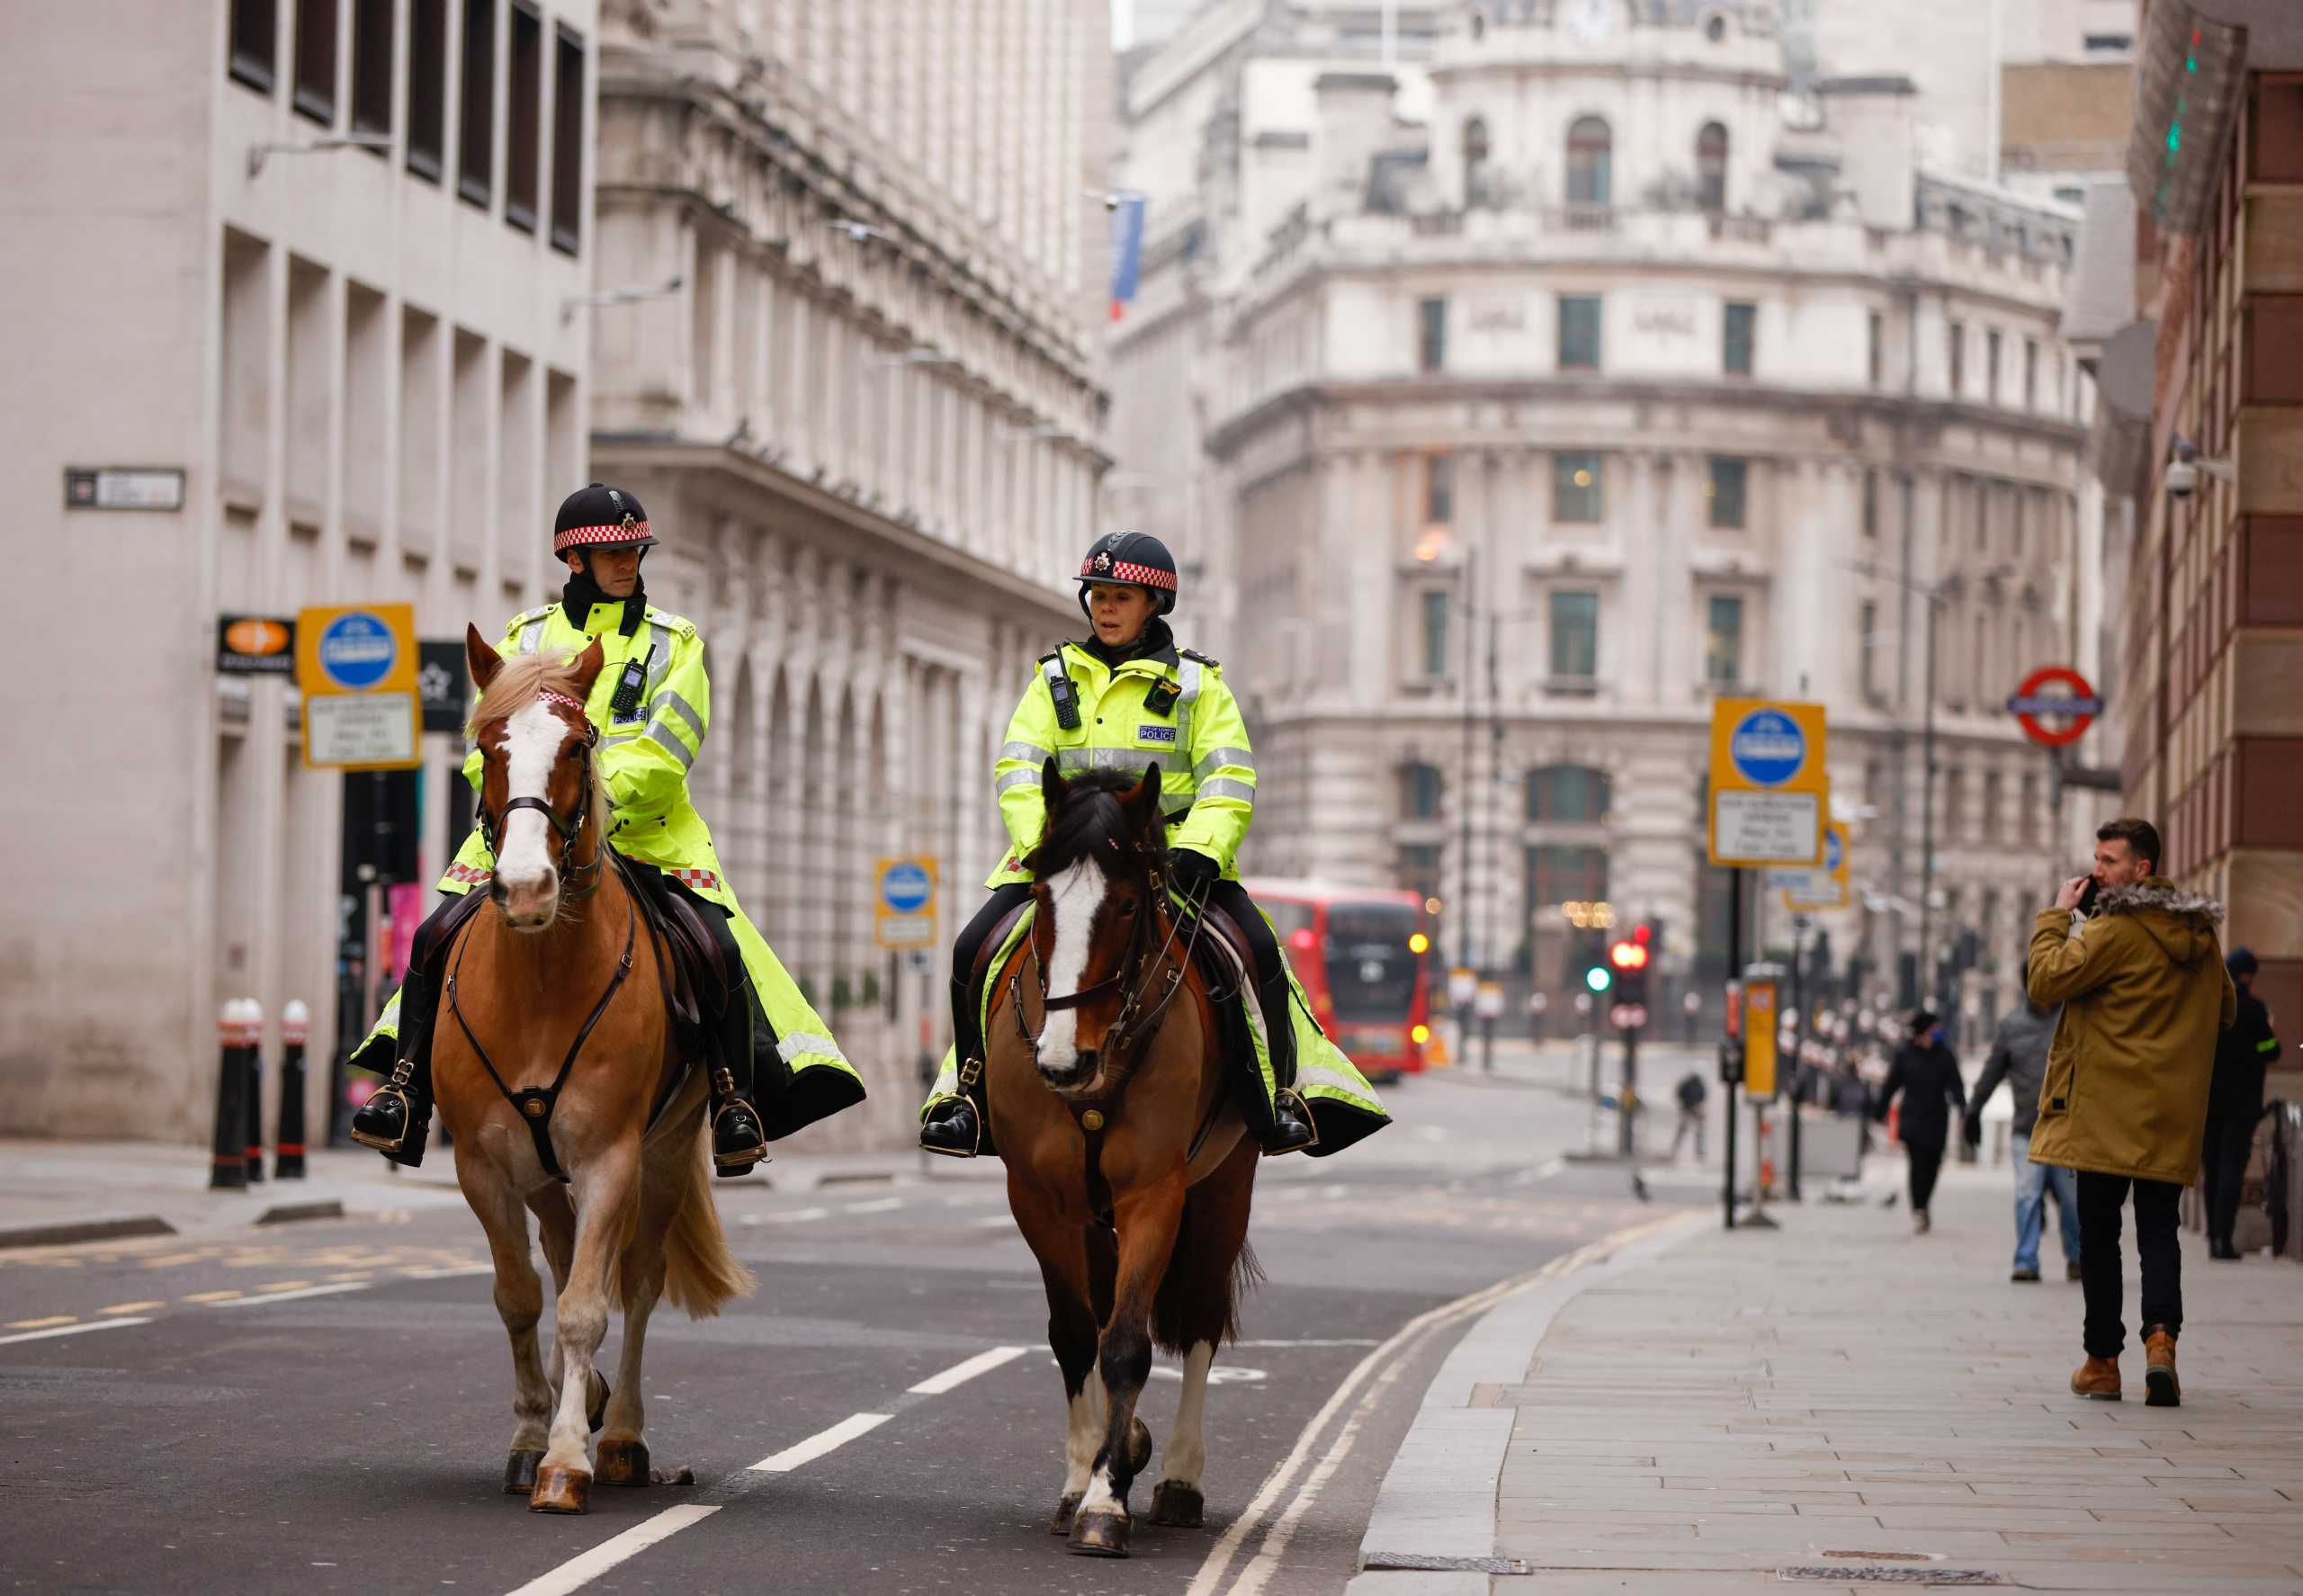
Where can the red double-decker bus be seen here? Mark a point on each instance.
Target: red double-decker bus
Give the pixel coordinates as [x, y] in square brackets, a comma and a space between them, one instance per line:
[1360, 953]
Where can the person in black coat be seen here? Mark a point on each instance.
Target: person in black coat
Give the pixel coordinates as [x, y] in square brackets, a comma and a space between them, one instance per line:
[1927, 1075]
[2235, 1102]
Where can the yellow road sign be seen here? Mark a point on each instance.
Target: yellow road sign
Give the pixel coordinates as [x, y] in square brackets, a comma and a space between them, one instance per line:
[356, 665]
[903, 902]
[1768, 785]
[1825, 887]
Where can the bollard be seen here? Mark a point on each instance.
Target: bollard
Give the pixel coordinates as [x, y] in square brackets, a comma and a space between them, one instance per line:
[230, 1171]
[288, 1131]
[252, 1087]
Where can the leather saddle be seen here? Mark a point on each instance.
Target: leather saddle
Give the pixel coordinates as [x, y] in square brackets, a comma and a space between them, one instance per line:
[700, 981]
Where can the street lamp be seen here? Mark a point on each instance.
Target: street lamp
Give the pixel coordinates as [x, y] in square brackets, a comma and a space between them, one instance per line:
[619, 296]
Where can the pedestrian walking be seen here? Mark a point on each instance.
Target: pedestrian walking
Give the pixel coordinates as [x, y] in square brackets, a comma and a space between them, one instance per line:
[2018, 1056]
[2143, 994]
[2235, 1102]
[1691, 1091]
[1926, 1075]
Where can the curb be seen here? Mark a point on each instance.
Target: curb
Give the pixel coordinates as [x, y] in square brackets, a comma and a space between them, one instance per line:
[1435, 1510]
[84, 1230]
[288, 1212]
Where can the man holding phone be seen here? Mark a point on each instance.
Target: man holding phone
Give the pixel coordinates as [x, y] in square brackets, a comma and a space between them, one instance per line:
[2124, 1103]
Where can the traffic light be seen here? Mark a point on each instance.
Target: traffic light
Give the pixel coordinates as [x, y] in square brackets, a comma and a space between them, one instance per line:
[1629, 958]
[1599, 978]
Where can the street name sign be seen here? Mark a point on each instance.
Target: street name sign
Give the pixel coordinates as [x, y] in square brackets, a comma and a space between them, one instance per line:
[1768, 785]
[356, 666]
[903, 906]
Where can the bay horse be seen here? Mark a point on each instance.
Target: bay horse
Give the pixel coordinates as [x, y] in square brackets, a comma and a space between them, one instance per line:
[555, 1045]
[1130, 1170]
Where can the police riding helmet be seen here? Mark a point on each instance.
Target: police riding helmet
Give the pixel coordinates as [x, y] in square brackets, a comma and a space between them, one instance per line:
[1130, 560]
[599, 517]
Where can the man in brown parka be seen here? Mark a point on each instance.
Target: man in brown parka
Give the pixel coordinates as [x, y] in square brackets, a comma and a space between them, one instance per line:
[2143, 994]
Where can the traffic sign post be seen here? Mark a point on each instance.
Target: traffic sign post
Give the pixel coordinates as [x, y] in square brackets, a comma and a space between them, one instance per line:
[355, 666]
[1768, 784]
[903, 904]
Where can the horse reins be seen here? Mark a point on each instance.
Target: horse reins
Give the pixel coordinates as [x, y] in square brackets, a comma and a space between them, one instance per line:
[569, 828]
[1124, 1030]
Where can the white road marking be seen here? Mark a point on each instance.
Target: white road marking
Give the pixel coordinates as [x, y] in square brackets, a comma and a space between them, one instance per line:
[284, 1296]
[580, 1571]
[960, 1374]
[1003, 1221]
[882, 1206]
[1313, 1341]
[1222, 1373]
[1550, 1167]
[452, 1272]
[41, 1335]
[822, 1442]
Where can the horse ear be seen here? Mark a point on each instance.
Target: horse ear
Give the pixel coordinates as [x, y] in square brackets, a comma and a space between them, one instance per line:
[587, 668]
[485, 661]
[1052, 784]
[1143, 803]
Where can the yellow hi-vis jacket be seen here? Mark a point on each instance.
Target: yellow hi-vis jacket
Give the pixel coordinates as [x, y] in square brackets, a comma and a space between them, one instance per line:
[1168, 709]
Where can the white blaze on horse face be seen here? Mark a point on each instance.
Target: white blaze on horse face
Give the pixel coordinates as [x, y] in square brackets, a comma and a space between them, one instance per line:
[532, 740]
[1073, 897]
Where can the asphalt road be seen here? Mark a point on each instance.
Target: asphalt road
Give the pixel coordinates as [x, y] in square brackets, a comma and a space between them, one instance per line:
[325, 1406]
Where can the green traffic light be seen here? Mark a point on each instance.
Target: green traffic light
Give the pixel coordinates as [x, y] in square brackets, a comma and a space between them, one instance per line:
[1597, 978]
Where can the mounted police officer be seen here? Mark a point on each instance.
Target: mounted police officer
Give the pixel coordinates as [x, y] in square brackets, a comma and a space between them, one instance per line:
[778, 1068]
[1122, 698]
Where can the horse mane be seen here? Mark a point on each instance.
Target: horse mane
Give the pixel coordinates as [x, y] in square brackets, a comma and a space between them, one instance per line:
[525, 679]
[1090, 823]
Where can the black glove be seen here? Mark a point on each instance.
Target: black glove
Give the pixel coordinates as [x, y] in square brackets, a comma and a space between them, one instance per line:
[1194, 873]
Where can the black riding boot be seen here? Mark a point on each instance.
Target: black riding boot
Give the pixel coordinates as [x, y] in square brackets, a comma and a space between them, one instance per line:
[1291, 1125]
[396, 1118]
[738, 1142]
[952, 1127]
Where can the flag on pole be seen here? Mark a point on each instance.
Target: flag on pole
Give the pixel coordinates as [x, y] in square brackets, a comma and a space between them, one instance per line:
[1127, 251]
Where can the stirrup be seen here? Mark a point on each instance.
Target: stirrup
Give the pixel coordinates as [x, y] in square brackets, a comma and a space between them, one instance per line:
[743, 1158]
[408, 1121]
[974, 1150]
[1288, 1094]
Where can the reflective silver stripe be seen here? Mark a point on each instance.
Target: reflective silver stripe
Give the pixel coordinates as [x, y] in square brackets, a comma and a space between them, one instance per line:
[1133, 761]
[1030, 752]
[1015, 779]
[1053, 669]
[1219, 758]
[802, 1043]
[661, 733]
[1175, 808]
[681, 704]
[660, 661]
[1224, 787]
[530, 636]
[1320, 1075]
[1190, 677]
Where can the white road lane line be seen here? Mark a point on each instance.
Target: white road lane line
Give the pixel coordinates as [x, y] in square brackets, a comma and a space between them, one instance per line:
[580, 1571]
[882, 1206]
[285, 1296]
[960, 1374]
[452, 1272]
[822, 1442]
[41, 1335]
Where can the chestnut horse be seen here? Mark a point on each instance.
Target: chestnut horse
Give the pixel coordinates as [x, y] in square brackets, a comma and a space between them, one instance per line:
[1129, 1169]
[554, 1046]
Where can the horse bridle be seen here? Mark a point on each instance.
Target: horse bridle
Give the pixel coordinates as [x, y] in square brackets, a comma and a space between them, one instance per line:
[569, 828]
[1136, 1024]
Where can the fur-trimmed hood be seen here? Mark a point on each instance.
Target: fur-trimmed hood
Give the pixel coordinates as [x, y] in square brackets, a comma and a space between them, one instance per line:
[2182, 923]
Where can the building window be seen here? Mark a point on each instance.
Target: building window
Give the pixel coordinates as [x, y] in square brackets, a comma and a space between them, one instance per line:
[1475, 154]
[1725, 490]
[2031, 374]
[567, 100]
[1871, 501]
[1993, 795]
[1419, 872]
[476, 123]
[1419, 791]
[2107, 44]
[1567, 794]
[1575, 636]
[254, 47]
[1437, 602]
[1723, 640]
[2027, 821]
[1737, 331]
[428, 86]
[1579, 333]
[1878, 346]
[1576, 489]
[1867, 650]
[1711, 167]
[524, 119]
[1432, 335]
[314, 96]
[1557, 875]
[1955, 341]
[1590, 160]
[372, 67]
[1438, 489]
[1991, 368]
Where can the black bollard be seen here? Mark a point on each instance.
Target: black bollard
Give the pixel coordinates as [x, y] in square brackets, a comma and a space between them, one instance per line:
[231, 1169]
[252, 1064]
[288, 1131]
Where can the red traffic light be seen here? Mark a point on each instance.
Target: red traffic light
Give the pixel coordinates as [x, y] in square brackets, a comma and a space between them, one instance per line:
[1640, 933]
[1628, 956]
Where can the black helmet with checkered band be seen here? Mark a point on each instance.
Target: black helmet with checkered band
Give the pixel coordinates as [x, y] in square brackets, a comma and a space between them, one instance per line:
[1130, 560]
[599, 517]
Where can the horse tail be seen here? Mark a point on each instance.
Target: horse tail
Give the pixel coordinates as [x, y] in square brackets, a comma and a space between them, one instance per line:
[700, 1273]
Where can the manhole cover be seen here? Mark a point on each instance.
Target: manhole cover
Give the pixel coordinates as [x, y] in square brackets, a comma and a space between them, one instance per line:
[1890, 1576]
[1419, 1561]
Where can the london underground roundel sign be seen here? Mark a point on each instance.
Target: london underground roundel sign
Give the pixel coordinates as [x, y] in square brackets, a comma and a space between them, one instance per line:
[2075, 706]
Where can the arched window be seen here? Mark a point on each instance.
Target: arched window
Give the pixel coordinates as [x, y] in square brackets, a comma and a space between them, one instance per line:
[1711, 167]
[1567, 792]
[1589, 153]
[1475, 151]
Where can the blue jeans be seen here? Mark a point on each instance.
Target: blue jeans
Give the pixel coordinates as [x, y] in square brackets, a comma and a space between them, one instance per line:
[2031, 1183]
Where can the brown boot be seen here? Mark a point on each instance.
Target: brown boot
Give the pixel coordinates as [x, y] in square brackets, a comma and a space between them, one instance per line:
[2098, 1377]
[2161, 1388]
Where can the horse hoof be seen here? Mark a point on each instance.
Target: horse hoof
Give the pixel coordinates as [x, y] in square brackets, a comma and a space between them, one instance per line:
[595, 1398]
[560, 1490]
[1064, 1508]
[1177, 1505]
[520, 1471]
[622, 1463]
[1139, 1447]
[1100, 1534]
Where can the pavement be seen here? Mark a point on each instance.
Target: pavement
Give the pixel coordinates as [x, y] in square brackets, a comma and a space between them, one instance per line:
[1839, 1402]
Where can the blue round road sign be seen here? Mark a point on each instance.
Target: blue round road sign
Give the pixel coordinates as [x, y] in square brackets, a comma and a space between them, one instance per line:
[905, 888]
[1831, 850]
[1767, 747]
[357, 650]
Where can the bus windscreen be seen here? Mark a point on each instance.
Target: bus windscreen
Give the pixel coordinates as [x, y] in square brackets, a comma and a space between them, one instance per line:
[1371, 969]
